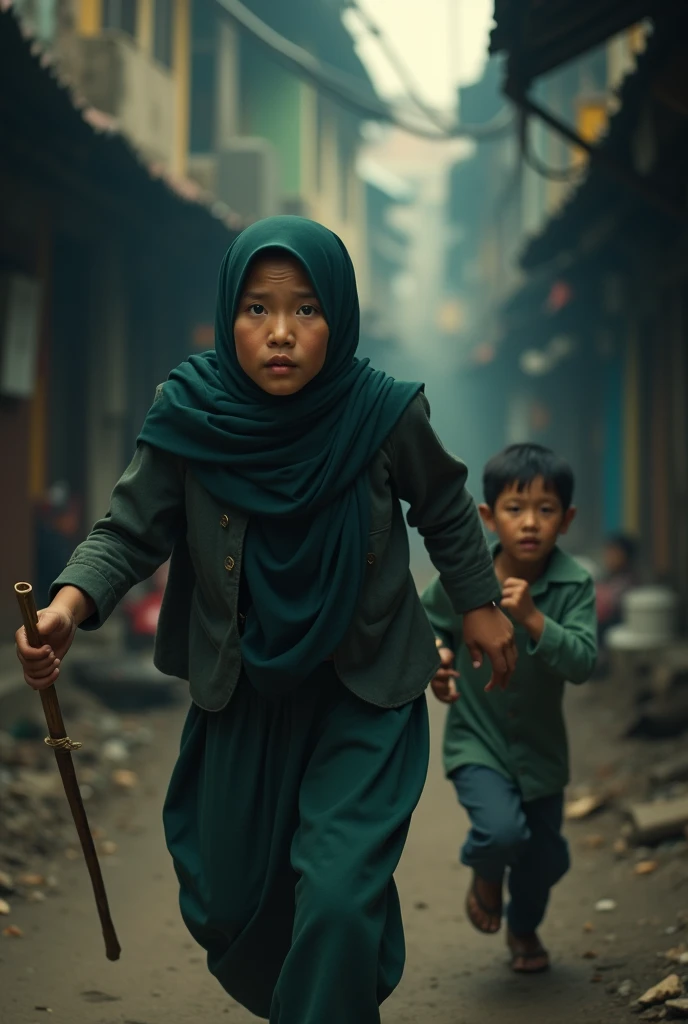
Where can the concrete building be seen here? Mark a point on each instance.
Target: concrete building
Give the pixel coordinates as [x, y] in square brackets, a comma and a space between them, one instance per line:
[264, 141]
[105, 273]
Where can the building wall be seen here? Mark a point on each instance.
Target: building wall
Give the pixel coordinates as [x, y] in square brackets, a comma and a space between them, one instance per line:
[118, 72]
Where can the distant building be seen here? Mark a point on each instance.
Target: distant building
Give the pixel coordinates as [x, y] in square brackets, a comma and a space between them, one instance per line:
[266, 142]
[499, 197]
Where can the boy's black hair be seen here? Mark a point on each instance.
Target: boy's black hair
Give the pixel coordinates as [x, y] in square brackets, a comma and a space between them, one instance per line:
[627, 544]
[520, 464]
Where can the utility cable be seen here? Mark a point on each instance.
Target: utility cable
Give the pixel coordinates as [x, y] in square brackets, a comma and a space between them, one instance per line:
[564, 175]
[398, 66]
[345, 88]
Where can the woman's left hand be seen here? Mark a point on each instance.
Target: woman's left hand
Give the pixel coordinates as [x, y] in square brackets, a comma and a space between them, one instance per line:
[487, 632]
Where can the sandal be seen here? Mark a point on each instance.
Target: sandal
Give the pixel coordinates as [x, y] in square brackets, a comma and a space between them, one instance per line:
[473, 900]
[530, 961]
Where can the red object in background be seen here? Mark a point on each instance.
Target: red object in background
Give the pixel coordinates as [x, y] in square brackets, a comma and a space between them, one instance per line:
[560, 294]
[144, 614]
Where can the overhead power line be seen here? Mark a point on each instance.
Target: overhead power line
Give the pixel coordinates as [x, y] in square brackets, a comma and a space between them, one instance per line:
[346, 89]
[402, 72]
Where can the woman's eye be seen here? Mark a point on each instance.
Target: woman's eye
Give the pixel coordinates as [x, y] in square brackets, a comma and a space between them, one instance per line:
[256, 308]
[308, 310]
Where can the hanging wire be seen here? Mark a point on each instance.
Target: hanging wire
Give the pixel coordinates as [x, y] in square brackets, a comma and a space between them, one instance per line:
[399, 67]
[565, 175]
[346, 89]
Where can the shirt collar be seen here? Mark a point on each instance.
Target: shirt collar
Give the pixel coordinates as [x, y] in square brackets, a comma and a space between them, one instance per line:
[561, 568]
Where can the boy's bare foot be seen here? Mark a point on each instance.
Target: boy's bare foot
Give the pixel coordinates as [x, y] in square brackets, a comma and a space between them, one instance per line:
[528, 955]
[484, 905]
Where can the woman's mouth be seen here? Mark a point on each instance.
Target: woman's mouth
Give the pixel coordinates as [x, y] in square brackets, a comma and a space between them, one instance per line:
[280, 366]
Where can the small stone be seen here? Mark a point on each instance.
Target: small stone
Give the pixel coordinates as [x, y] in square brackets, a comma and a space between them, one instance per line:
[6, 884]
[677, 1008]
[36, 896]
[645, 867]
[115, 751]
[43, 1009]
[593, 842]
[71, 853]
[86, 791]
[584, 806]
[420, 905]
[123, 778]
[590, 955]
[588, 927]
[31, 879]
[675, 954]
[96, 996]
[621, 848]
[13, 932]
[611, 939]
[625, 988]
[670, 988]
[605, 906]
[4, 907]
[108, 848]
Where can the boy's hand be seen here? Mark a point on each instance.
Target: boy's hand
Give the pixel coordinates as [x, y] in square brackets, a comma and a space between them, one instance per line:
[517, 600]
[486, 631]
[443, 685]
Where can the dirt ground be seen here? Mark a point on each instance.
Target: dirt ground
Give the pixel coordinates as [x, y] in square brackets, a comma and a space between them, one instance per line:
[57, 971]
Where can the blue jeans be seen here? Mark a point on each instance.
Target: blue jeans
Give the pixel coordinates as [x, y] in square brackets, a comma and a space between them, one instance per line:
[507, 832]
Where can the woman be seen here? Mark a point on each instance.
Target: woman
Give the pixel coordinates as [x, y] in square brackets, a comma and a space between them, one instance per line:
[272, 469]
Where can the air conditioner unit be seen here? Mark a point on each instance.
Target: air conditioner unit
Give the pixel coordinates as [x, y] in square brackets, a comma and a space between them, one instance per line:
[246, 178]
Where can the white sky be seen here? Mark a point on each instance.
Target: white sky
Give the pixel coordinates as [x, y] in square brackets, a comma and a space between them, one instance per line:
[442, 42]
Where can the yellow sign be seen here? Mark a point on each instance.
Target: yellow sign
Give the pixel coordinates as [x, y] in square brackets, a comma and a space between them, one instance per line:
[591, 124]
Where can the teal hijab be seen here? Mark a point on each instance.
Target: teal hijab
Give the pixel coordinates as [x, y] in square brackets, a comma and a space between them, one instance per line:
[297, 464]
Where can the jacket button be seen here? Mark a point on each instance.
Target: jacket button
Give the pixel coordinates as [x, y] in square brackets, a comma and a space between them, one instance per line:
[229, 563]
[370, 558]
[224, 522]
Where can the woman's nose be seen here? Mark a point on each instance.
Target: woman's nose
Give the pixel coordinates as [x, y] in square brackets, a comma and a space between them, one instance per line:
[280, 332]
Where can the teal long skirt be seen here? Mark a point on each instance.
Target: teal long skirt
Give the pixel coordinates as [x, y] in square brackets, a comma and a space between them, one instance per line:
[286, 818]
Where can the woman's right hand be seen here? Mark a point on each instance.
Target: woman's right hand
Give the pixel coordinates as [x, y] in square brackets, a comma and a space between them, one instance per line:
[57, 626]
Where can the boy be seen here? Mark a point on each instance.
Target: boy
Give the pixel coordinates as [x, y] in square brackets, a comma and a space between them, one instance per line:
[506, 752]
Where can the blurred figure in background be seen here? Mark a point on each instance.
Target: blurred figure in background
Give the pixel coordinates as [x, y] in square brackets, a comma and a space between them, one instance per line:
[618, 577]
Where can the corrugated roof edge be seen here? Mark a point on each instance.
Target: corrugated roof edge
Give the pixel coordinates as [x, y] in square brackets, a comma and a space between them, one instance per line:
[184, 189]
[620, 124]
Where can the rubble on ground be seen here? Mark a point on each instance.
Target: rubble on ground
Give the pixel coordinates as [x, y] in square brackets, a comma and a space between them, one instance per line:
[670, 988]
[35, 822]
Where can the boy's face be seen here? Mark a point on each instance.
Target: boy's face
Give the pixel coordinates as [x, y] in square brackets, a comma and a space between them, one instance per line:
[528, 522]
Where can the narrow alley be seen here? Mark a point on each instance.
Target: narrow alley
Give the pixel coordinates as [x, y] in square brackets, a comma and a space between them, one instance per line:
[602, 961]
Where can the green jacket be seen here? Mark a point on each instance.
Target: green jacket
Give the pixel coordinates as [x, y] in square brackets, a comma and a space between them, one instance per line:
[521, 732]
[388, 656]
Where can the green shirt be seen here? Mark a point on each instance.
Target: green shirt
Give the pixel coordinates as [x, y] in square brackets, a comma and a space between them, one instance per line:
[388, 655]
[520, 732]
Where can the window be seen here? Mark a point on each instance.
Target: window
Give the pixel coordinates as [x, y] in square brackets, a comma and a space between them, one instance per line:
[163, 31]
[121, 15]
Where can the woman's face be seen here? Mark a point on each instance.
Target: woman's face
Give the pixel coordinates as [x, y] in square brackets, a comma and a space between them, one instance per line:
[280, 331]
